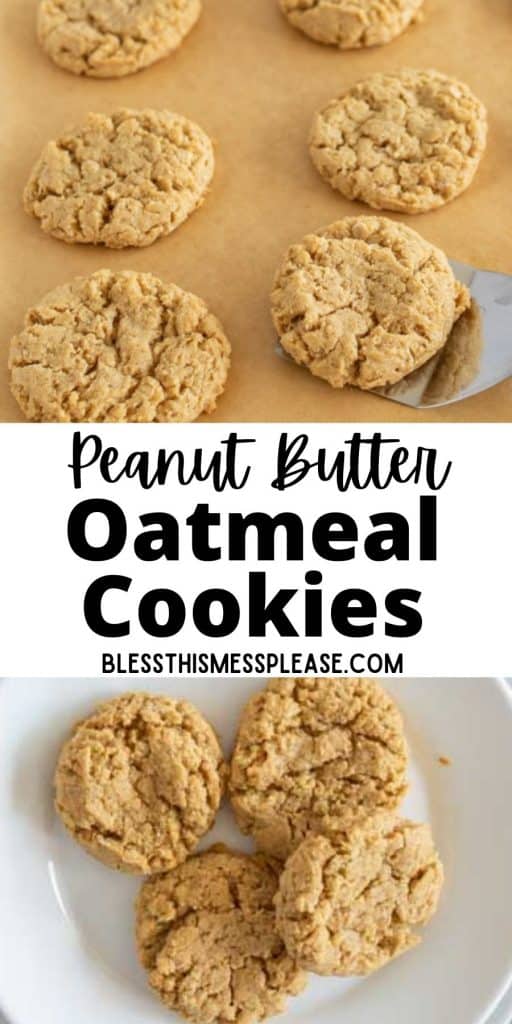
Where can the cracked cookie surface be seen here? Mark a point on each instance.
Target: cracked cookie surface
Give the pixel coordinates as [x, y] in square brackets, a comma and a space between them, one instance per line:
[410, 141]
[365, 302]
[315, 755]
[123, 179]
[111, 38]
[118, 347]
[206, 933]
[349, 905]
[139, 782]
[351, 24]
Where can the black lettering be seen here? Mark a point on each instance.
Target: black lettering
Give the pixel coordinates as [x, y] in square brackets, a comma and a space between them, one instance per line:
[291, 468]
[176, 613]
[78, 448]
[428, 528]
[93, 606]
[313, 604]
[332, 529]
[398, 605]
[77, 530]
[200, 522]
[392, 542]
[161, 543]
[266, 527]
[353, 604]
[202, 613]
[262, 611]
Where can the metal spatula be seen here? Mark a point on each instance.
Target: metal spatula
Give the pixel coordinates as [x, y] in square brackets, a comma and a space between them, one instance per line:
[478, 353]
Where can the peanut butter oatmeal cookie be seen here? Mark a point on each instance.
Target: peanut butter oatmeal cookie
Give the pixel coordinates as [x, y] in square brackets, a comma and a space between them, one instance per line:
[348, 905]
[118, 347]
[206, 933]
[111, 38]
[315, 756]
[365, 302]
[140, 781]
[351, 24]
[121, 179]
[409, 141]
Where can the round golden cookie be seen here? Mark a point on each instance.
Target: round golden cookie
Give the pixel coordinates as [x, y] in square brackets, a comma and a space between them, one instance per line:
[140, 781]
[315, 756]
[121, 179]
[351, 24]
[410, 141]
[348, 905]
[112, 38]
[118, 347]
[206, 933]
[365, 302]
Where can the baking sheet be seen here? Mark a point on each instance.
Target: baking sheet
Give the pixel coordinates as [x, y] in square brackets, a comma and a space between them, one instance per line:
[254, 83]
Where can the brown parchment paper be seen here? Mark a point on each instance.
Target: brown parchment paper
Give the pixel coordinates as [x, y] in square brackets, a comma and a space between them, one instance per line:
[254, 83]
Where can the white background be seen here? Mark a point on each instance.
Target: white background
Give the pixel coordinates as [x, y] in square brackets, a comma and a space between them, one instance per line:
[465, 604]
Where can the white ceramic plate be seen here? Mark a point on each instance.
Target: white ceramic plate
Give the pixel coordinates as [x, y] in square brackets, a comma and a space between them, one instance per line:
[66, 944]
[503, 1014]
